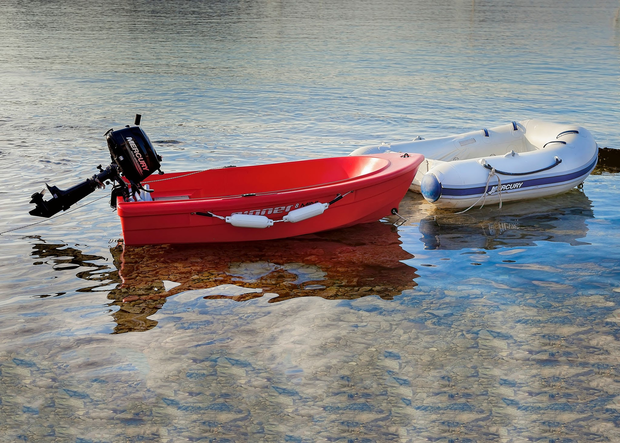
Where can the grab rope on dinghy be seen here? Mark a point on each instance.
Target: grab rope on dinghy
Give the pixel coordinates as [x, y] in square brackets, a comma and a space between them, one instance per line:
[262, 221]
[558, 160]
[492, 173]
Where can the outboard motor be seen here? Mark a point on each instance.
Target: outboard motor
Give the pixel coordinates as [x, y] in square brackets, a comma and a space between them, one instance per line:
[133, 160]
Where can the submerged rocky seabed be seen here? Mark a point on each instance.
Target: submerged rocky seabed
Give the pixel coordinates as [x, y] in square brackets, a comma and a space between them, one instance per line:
[488, 364]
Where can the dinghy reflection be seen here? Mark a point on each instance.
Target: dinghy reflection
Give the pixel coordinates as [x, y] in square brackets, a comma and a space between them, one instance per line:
[348, 263]
[561, 219]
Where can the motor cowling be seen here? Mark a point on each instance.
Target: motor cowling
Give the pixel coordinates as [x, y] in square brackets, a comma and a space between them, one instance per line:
[131, 149]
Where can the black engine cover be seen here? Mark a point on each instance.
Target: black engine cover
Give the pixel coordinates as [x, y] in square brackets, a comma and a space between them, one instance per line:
[131, 149]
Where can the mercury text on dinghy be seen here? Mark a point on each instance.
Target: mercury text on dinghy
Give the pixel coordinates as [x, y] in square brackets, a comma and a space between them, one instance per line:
[246, 203]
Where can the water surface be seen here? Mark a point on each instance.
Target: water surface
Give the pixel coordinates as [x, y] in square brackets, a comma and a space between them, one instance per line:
[494, 325]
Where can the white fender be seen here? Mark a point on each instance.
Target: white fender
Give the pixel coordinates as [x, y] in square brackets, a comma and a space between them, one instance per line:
[249, 221]
[261, 222]
[306, 212]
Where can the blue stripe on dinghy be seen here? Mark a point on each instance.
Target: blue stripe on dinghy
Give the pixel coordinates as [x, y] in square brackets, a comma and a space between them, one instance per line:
[556, 179]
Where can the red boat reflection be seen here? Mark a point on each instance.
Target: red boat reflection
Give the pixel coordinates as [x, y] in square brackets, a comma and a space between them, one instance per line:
[349, 263]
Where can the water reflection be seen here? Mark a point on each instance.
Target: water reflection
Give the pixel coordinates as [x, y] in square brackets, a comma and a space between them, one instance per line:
[559, 219]
[343, 264]
[62, 257]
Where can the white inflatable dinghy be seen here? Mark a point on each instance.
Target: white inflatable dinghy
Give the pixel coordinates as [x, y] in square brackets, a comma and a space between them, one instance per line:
[517, 161]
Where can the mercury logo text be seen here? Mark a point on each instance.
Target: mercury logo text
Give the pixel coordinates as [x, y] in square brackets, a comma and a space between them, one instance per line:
[276, 210]
[137, 154]
[506, 187]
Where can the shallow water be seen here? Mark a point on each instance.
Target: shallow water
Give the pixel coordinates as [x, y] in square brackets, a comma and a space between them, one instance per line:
[494, 325]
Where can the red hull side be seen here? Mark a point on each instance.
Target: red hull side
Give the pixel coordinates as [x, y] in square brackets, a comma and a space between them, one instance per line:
[376, 185]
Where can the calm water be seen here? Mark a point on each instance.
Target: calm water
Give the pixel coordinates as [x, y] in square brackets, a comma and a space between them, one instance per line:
[496, 325]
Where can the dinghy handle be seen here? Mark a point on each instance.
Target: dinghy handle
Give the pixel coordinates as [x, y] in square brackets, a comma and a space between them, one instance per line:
[553, 141]
[570, 131]
[491, 168]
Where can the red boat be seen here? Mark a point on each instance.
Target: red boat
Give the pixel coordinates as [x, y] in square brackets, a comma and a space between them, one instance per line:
[237, 204]
[267, 201]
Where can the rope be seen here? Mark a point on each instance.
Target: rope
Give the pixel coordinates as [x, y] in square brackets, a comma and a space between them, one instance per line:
[294, 216]
[485, 193]
[178, 176]
[494, 172]
[489, 167]
[52, 218]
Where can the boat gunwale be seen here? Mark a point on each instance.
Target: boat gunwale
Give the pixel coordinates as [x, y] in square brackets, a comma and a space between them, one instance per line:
[524, 135]
[390, 171]
[387, 164]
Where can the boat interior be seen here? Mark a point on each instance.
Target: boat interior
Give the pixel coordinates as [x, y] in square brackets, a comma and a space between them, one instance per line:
[261, 179]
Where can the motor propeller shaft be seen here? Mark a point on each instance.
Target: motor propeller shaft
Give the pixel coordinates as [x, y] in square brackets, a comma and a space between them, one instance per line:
[62, 199]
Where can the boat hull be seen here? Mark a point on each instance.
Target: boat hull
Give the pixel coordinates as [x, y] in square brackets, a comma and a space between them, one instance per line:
[370, 186]
[518, 161]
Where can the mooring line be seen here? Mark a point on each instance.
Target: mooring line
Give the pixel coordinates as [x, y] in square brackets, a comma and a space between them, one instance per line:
[52, 218]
